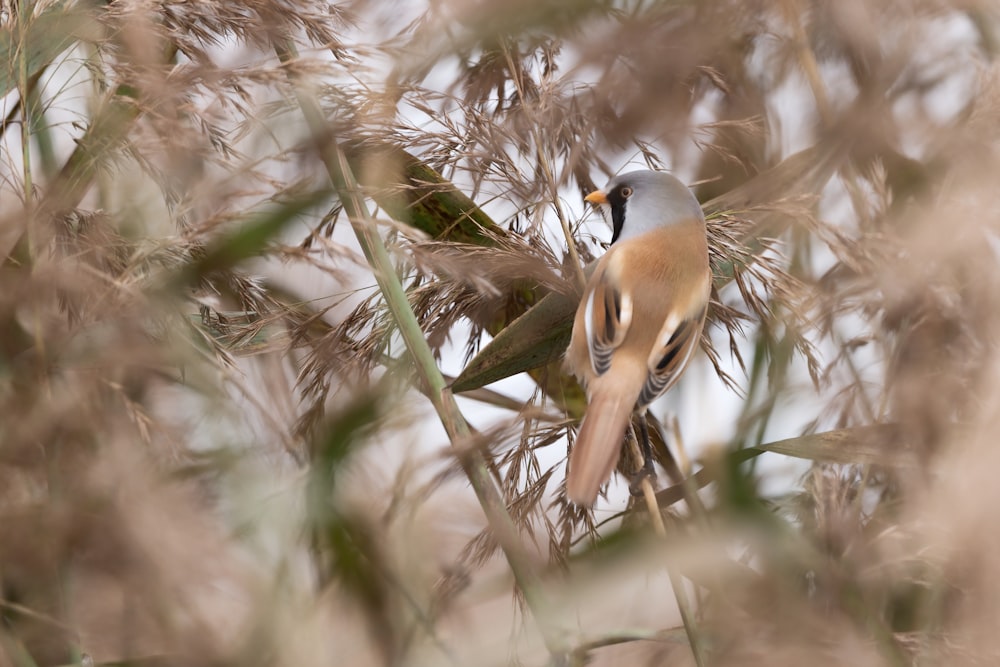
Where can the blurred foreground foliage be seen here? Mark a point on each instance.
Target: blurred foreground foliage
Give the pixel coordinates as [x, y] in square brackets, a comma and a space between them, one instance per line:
[216, 438]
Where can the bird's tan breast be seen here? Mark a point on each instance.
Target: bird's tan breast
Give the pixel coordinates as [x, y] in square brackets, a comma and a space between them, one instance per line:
[665, 272]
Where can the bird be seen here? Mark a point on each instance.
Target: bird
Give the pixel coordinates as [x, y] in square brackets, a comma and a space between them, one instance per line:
[640, 318]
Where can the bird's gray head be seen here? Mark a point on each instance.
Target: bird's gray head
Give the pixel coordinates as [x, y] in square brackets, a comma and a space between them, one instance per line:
[642, 201]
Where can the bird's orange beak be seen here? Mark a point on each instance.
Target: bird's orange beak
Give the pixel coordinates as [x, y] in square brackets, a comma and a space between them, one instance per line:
[597, 197]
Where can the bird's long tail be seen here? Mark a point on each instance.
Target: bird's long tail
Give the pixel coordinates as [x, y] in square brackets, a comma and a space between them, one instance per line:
[599, 442]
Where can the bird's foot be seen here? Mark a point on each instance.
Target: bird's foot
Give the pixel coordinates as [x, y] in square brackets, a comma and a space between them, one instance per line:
[646, 472]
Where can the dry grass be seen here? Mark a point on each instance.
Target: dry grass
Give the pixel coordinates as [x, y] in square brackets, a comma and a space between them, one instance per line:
[216, 443]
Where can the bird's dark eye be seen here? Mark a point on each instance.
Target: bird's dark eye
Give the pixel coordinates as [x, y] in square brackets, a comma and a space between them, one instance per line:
[626, 192]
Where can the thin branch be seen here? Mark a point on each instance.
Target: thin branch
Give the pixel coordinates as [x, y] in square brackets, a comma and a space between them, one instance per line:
[676, 582]
[443, 400]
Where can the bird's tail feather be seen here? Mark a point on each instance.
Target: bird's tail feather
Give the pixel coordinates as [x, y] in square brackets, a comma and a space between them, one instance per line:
[598, 444]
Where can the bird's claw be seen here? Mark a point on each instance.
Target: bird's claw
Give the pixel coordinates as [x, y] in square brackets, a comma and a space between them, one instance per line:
[646, 472]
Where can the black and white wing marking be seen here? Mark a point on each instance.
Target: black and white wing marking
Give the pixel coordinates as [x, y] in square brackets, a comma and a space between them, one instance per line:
[667, 360]
[607, 318]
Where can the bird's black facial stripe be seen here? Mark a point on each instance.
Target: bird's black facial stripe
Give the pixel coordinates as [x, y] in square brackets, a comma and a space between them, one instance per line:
[617, 220]
[617, 199]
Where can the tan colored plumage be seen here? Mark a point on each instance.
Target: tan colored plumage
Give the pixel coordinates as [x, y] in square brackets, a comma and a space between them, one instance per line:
[638, 322]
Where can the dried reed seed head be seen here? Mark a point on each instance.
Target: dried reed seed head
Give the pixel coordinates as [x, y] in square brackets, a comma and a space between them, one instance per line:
[891, 313]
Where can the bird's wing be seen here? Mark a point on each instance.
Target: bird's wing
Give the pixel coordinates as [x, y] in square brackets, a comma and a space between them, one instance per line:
[607, 317]
[677, 340]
